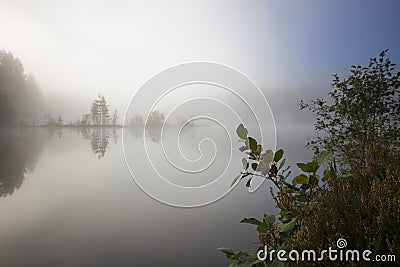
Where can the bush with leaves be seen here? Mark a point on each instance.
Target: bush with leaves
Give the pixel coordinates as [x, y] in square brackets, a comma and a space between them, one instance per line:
[363, 208]
[295, 199]
[362, 129]
[362, 117]
[359, 131]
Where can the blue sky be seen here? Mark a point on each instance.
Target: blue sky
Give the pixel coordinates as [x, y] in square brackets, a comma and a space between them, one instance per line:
[317, 37]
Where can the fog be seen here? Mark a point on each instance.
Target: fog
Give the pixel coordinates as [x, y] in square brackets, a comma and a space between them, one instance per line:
[78, 49]
[78, 189]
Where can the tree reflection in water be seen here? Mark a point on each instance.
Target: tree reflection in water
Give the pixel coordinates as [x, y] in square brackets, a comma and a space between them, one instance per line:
[153, 133]
[20, 150]
[99, 138]
[21, 147]
[99, 142]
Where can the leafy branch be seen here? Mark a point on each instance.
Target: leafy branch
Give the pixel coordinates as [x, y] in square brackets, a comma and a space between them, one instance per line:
[295, 199]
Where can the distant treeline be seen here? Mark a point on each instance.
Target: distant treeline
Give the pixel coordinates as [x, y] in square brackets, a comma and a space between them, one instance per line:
[99, 116]
[21, 102]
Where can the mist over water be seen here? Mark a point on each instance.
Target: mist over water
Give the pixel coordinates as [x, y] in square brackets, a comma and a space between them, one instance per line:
[69, 200]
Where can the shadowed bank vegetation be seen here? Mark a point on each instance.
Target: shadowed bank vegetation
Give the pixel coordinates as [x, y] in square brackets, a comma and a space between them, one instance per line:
[349, 190]
[19, 153]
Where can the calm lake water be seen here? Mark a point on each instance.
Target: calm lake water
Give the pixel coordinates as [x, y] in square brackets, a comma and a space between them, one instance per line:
[68, 199]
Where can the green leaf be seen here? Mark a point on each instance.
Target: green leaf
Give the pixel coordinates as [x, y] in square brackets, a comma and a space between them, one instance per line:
[254, 166]
[322, 157]
[267, 156]
[227, 251]
[259, 149]
[239, 255]
[301, 179]
[263, 228]
[263, 167]
[252, 144]
[265, 163]
[269, 219]
[243, 148]
[278, 155]
[242, 132]
[283, 228]
[282, 164]
[327, 175]
[285, 216]
[308, 167]
[251, 221]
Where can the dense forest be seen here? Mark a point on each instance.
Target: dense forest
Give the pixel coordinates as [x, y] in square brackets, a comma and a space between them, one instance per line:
[21, 102]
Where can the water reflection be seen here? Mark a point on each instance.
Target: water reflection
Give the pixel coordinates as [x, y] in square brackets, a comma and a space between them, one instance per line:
[20, 148]
[74, 202]
[151, 132]
[99, 138]
[50, 132]
[19, 153]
